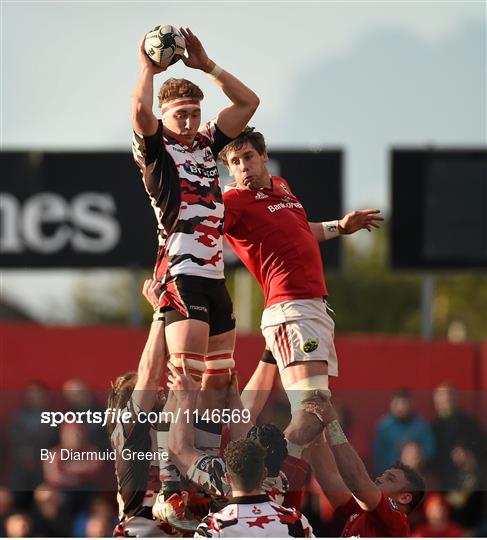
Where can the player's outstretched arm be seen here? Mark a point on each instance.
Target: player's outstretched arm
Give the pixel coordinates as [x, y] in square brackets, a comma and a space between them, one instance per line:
[181, 433]
[233, 119]
[349, 224]
[240, 423]
[151, 362]
[349, 463]
[257, 391]
[144, 121]
[326, 472]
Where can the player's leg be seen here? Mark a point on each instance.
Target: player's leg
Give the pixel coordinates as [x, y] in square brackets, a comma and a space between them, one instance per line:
[303, 381]
[219, 364]
[302, 343]
[219, 360]
[187, 329]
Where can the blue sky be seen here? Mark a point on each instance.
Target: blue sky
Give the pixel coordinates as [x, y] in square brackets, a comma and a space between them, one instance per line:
[363, 76]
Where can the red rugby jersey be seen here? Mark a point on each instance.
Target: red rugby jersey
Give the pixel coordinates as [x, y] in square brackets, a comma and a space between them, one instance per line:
[298, 473]
[268, 229]
[385, 521]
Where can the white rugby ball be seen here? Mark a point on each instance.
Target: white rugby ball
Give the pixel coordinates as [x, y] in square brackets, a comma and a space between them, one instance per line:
[164, 45]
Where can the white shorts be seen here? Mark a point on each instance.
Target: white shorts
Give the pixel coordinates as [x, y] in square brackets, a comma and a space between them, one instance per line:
[300, 330]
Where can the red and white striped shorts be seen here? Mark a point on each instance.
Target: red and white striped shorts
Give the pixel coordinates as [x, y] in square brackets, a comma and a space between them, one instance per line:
[300, 330]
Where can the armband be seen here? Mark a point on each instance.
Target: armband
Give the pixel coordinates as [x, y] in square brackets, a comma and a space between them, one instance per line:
[215, 72]
[336, 434]
[330, 229]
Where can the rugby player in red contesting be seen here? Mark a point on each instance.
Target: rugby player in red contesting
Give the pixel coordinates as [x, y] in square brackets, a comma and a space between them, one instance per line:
[364, 508]
[267, 227]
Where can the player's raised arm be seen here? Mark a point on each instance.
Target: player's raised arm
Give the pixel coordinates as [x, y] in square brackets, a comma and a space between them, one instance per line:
[232, 120]
[327, 474]
[144, 121]
[151, 362]
[349, 224]
[257, 391]
[240, 423]
[349, 463]
[181, 432]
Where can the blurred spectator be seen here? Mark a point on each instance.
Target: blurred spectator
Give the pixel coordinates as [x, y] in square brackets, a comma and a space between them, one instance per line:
[27, 437]
[6, 504]
[74, 470]
[18, 525]
[412, 455]
[50, 517]
[453, 427]
[98, 526]
[99, 507]
[467, 495]
[438, 523]
[400, 426]
[79, 398]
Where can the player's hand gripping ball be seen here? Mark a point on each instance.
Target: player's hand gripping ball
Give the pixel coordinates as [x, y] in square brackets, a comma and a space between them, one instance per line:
[164, 45]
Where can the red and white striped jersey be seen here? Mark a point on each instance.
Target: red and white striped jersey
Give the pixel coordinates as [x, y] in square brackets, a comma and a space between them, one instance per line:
[254, 516]
[183, 185]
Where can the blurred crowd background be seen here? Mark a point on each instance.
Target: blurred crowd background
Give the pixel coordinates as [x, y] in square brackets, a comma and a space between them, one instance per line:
[79, 498]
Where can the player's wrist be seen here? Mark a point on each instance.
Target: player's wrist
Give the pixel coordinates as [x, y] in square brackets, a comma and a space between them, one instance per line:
[159, 315]
[336, 436]
[212, 69]
[331, 229]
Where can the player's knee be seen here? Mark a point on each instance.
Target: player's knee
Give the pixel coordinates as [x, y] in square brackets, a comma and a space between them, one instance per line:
[194, 364]
[308, 389]
[219, 363]
[303, 428]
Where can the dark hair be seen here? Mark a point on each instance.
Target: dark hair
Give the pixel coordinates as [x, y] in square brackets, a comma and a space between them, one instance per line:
[248, 135]
[245, 460]
[415, 483]
[402, 393]
[119, 395]
[272, 439]
[179, 88]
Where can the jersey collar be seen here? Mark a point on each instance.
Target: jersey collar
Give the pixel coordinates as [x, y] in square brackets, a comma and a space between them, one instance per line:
[250, 499]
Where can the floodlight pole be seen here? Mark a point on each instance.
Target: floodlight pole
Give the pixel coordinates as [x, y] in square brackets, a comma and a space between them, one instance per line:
[427, 296]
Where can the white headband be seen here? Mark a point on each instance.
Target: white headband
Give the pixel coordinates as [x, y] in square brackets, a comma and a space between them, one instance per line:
[180, 103]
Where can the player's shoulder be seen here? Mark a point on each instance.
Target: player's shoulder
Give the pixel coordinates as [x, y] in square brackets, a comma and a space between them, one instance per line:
[207, 130]
[392, 516]
[291, 516]
[282, 184]
[214, 523]
[233, 195]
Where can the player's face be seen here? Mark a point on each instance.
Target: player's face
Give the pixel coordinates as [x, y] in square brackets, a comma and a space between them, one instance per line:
[392, 482]
[248, 167]
[183, 123]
